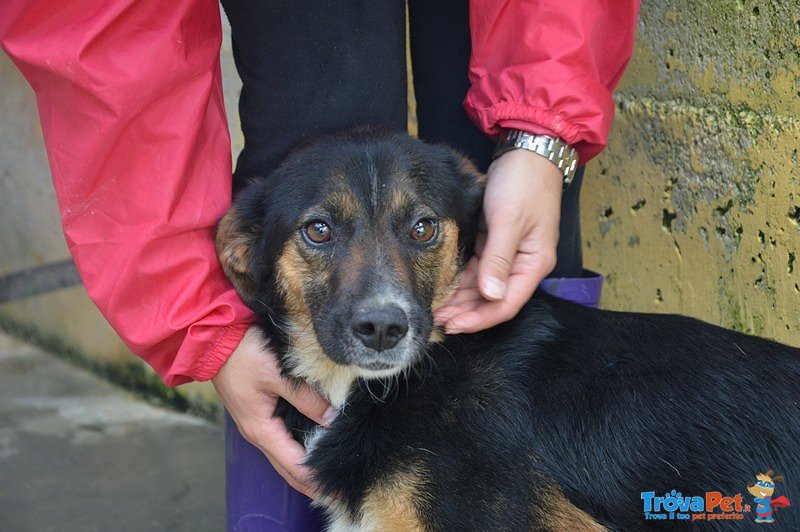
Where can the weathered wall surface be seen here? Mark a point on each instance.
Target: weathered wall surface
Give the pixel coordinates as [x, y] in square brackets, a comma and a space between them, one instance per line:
[694, 207]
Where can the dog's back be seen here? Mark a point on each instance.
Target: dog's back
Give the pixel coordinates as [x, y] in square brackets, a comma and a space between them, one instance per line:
[564, 417]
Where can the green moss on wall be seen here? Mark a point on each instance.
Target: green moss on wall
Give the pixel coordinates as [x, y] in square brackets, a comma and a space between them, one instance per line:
[701, 173]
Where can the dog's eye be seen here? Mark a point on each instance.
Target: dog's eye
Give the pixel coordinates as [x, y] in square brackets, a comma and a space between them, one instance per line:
[424, 230]
[317, 232]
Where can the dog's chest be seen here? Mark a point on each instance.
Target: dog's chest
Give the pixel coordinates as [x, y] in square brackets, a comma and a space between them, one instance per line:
[342, 523]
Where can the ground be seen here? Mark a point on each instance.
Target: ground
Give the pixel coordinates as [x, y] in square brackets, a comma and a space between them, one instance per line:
[79, 454]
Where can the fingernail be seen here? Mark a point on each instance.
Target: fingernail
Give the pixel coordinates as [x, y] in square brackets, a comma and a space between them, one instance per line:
[329, 415]
[494, 288]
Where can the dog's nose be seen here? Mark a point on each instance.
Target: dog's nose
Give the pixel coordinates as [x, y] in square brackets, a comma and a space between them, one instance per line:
[380, 328]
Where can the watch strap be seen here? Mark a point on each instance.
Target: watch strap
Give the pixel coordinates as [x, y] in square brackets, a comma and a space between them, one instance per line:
[553, 149]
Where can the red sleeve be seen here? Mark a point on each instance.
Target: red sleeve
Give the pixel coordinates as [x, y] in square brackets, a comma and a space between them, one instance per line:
[130, 101]
[549, 67]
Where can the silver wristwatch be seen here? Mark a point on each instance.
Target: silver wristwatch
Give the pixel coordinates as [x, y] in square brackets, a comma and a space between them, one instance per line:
[554, 150]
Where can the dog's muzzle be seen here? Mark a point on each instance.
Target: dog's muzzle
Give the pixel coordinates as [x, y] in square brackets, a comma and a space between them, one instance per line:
[380, 328]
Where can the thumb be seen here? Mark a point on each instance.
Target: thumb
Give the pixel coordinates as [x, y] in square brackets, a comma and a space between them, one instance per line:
[496, 260]
[308, 402]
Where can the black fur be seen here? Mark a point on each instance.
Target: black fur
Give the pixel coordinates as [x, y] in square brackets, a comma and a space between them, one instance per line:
[604, 405]
[601, 405]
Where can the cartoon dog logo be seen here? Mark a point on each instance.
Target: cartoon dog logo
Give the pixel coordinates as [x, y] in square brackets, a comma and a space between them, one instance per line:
[762, 491]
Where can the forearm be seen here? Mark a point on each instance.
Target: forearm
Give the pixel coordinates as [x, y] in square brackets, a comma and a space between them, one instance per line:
[130, 101]
[549, 67]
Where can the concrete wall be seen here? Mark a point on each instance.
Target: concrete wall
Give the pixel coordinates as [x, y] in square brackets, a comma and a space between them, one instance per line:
[694, 206]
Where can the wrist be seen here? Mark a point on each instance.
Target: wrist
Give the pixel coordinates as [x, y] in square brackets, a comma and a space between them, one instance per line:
[535, 170]
[233, 339]
[552, 149]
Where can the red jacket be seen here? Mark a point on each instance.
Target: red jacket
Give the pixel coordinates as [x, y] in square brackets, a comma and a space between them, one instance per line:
[130, 101]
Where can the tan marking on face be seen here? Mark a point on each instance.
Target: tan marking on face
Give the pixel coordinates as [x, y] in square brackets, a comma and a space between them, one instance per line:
[392, 506]
[560, 515]
[233, 248]
[293, 273]
[345, 202]
[399, 196]
[308, 361]
[331, 380]
[448, 270]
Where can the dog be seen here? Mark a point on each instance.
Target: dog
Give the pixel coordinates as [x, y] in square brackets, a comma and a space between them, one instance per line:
[564, 418]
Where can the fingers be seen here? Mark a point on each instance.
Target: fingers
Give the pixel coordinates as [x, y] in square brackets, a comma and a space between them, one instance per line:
[467, 291]
[307, 401]
[521, 212]
[249, 384]
[285, 454]
[470, 311]
[475, 314]
[498, 257]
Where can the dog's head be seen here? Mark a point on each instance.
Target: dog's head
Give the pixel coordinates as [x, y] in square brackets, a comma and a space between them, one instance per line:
[348, 247]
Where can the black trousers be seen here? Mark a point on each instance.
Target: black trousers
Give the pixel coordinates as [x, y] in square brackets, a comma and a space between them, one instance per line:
[315, 66]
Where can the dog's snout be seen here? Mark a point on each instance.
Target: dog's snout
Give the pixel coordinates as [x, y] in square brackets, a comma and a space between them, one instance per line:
[381, 328]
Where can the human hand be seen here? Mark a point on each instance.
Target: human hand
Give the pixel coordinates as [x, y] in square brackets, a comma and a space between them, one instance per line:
[249, 385]
[521, 211]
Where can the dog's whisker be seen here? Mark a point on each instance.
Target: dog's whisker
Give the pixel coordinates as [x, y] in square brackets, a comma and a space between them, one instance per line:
[369, 391]
[282, 329]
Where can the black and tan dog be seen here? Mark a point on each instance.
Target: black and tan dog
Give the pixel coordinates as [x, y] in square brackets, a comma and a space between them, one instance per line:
[562, 419]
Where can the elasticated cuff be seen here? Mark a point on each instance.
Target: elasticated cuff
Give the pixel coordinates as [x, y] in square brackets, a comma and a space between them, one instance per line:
[228, 339]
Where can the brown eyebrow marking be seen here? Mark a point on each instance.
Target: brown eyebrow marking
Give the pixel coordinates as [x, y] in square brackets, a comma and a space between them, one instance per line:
[343, 204]
[401, 201]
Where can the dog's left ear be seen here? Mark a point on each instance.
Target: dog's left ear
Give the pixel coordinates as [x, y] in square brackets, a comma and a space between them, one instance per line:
[238, 235]
[472, 184]
[473, 179]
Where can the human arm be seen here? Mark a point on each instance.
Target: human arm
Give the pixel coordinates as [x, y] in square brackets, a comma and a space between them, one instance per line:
[130, 102]
[546, 67]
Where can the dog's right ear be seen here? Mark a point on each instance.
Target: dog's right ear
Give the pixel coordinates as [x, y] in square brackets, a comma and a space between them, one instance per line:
[238, 235]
